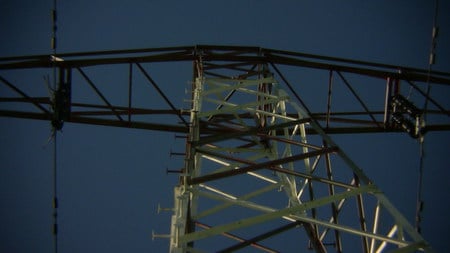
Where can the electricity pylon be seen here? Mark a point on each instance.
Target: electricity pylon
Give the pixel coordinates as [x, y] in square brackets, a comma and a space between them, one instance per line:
[259, 163]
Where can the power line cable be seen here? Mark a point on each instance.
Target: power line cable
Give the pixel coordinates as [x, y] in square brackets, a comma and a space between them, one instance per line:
[54, 131]
[55, 195]
[432, 59]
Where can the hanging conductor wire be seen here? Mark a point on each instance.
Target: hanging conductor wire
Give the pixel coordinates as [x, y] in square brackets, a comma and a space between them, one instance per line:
[432, 60]
[55, 129]
[55, 198]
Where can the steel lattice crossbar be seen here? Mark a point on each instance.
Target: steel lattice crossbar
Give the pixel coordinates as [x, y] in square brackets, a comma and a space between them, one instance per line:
[361, 118]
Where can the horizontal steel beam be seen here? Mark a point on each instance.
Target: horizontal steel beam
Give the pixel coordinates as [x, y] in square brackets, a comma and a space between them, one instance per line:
[81, 118]
[99, 121]
[228, 54]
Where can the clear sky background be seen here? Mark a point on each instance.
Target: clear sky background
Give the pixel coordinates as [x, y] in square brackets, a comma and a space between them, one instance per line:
[111, 180]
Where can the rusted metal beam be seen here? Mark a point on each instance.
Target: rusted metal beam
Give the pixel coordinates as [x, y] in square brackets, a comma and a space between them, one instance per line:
[23, 94]
[243, 241]
[99, 93]
[161, 93]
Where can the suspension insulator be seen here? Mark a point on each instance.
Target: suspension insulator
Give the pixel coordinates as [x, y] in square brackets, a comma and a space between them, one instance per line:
[62, 99]
[403, 105]
[406, 116]
[405, 124]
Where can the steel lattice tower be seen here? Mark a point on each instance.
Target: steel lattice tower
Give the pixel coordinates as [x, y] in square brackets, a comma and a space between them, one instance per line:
[258, 162]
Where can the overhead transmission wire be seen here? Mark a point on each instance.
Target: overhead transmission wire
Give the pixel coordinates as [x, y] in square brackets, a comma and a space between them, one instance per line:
[54, 131]
[432, 58]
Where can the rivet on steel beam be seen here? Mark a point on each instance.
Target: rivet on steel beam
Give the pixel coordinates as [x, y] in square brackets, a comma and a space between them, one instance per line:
[180, 136]
[154, 235]
[174, 171]
[165, 209]
[176, 153]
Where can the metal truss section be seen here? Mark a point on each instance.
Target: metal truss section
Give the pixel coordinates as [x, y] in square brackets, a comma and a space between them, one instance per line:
[379, 111]
[260, 166]
[237, 167]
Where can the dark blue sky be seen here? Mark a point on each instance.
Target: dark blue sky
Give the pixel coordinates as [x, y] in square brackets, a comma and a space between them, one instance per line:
[111, 180]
